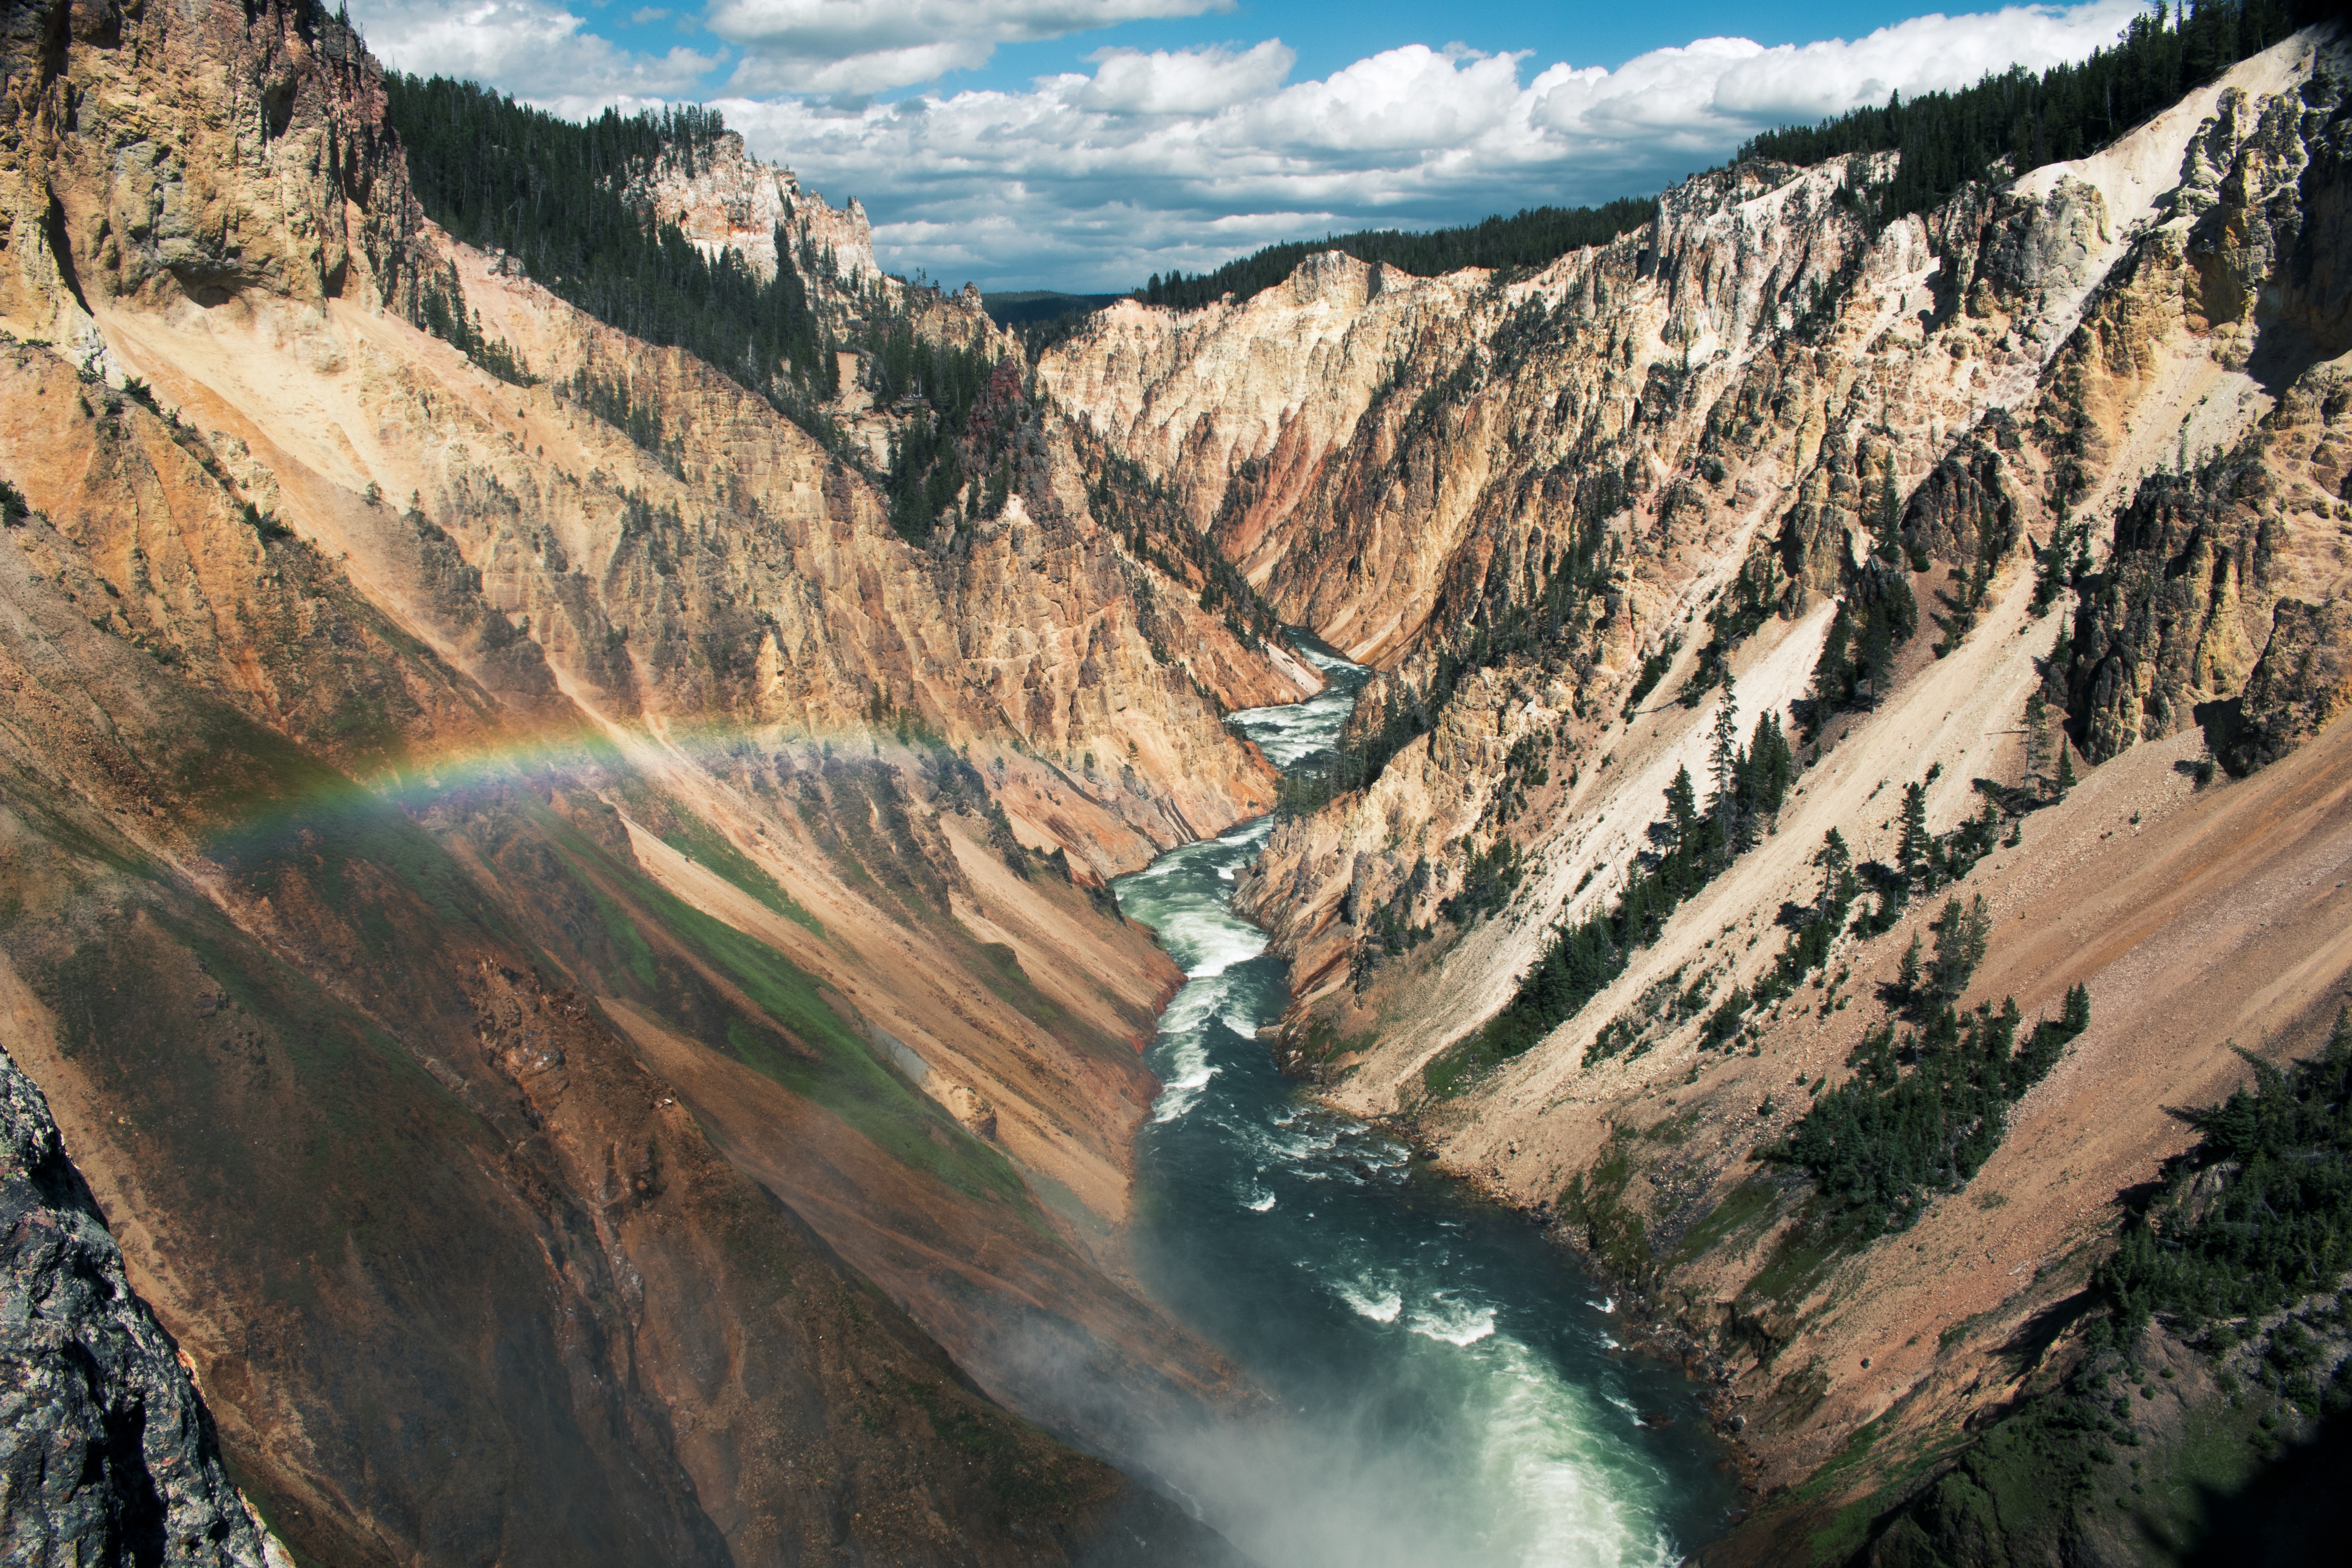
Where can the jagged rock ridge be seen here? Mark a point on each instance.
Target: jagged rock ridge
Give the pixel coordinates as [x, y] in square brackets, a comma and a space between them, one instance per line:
[106, 1453]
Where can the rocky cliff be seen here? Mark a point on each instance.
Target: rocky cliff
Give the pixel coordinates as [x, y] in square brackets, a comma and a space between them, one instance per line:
[571, 950]
[106, 1450]
[722, 198]
[2050, 469]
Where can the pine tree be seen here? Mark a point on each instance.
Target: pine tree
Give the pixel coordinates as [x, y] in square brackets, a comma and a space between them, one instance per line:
[1960, 939]
[1908, 972]
[2037, 738]
[1723, 764]
[2065, 780]
[1681, 805]
[1875, 650]
[1915, 849]
[1890, 517]
[1836, 862]
[1772, 769]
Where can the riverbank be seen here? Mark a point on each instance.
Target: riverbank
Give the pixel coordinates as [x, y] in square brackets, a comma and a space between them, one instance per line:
[1454, 1386]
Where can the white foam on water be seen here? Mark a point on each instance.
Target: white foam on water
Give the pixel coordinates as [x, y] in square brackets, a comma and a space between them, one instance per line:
[1381, 1307]
[1455, 1322]
[1185, 1086]
[1186, 1071]
[1193, 1006]
[1218, 948]
[1261, 1202]
[1297, 730]
[1256, 830]
[1292, 1144]
[1546, 1458]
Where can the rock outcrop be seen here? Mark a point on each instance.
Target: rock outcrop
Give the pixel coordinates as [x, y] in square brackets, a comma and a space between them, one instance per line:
[106, 1452]
[722, 198]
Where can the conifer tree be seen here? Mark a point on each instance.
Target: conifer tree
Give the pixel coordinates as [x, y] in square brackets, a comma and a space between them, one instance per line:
[1916, 845]
[1836, 862]
[2065, 780]
[1681, 805]
[1875, 650]
[1772, 769]
[2037, 739]
[1724, 764]
[1890, 517]
[1960, 939]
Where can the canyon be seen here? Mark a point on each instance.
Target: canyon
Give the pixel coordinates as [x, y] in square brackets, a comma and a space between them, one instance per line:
[1575, 513]
[568, 934]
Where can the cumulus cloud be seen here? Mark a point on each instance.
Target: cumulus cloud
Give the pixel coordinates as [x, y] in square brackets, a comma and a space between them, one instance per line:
[531, 49]
[1198, 81]
[1188, 157]
[849, 46]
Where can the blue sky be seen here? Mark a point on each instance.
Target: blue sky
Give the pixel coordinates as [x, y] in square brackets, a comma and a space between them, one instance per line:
[1082, 143]
[1331, 33]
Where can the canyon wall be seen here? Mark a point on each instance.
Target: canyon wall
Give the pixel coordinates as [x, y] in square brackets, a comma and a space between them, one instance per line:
[2071, 444]
[571, 953]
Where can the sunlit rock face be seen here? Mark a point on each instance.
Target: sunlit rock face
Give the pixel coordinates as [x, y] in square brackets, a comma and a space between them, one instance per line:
[722, 198]
[2087, 424]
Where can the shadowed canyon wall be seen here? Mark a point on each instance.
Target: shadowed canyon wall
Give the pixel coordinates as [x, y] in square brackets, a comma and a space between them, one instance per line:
[566, 960]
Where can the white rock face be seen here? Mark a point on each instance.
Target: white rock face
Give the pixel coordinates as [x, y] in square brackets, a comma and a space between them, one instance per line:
[728, 199]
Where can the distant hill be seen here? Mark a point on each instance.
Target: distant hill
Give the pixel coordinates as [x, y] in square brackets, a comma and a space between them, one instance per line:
[1029, 306]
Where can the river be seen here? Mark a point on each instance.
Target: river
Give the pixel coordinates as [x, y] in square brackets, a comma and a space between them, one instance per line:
[1452, 1388]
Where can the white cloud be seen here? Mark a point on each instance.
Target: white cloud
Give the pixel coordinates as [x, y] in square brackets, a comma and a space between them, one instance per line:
[846, 47]
[1189, 157]
[531, 49]
[1198, 81]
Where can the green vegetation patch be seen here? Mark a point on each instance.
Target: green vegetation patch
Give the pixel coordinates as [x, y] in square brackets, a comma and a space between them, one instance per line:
[1749, 1206]
[1004, 976]
[1881, 1144]
[2259, 1213]
[1595, 1199]
[833, 1066]
[697, 840]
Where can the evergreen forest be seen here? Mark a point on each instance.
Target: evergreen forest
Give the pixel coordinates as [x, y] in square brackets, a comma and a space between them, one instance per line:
[2024, 120]
[553, 194]
[1534, 237]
